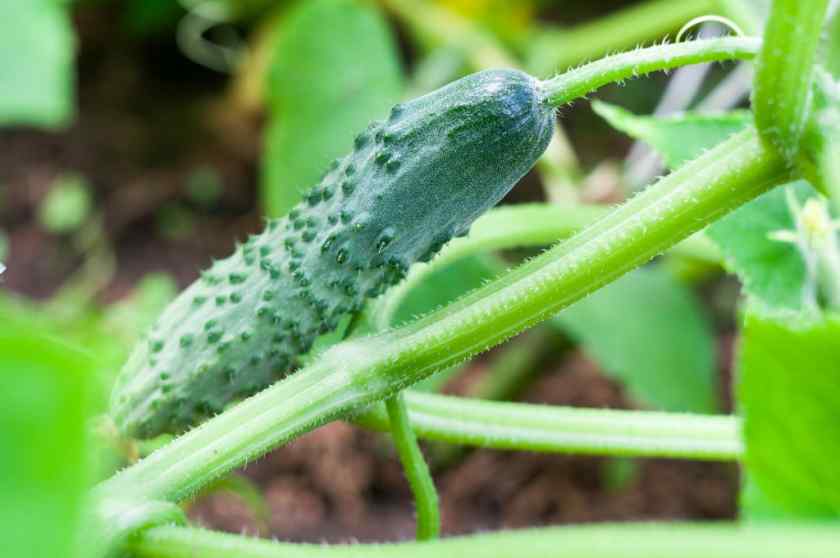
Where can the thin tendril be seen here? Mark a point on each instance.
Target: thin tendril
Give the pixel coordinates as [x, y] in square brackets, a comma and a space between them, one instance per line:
[725, 21]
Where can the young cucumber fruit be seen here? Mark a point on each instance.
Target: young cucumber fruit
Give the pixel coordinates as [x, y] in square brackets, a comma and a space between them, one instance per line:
[409, 185]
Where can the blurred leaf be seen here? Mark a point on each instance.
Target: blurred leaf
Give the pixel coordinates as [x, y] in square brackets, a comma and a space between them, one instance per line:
[831, 47]
[434, 70]
[677, 138]
[649, 332]
[43, 461]
[67, 204]
[335, 69]
[37, 47]
[754, 505]
[770, 270]
[509, 19]
[789, 396]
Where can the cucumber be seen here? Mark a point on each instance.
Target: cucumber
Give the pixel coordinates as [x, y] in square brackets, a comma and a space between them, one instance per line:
[410, 184]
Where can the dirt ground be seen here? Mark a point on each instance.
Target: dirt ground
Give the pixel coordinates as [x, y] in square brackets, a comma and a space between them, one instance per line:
[148, 119]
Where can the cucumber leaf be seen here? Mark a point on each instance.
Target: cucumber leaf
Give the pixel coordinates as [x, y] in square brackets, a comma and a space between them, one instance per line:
[770, 270]
[831, 48]
[789, 396]
[677, 138]
[335, 69]
[648, 331]
[43, 461]
[37, 46]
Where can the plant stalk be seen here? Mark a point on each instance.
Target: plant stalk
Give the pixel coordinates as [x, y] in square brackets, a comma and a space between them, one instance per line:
[551, 429]
[581, 81]
[415, 468]
[560, 49]
[629, 540]
[785, 71]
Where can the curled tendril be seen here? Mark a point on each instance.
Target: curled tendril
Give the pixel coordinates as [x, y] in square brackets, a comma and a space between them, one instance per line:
[222, 55]
[710, 18]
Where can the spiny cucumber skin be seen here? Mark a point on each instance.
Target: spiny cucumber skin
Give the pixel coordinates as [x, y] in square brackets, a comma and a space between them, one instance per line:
[409, 185]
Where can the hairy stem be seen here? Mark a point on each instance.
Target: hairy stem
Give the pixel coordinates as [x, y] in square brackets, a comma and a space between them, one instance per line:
[558, 50]
[785, 69]
[583, 80]
[357, 372]
[518, 226]
[416, 471]
[640, 540]
[543, 428]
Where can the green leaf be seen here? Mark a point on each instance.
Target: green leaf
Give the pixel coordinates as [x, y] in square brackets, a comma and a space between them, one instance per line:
[43, 462]
[754, 505]
[677, 138]
[769, 270]
[649, 332]
[447, 284]
[335, 70]
[37, 47]
[789, 396]
[831, 48]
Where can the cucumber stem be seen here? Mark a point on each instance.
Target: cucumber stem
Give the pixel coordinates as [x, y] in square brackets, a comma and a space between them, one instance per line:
[581, 81]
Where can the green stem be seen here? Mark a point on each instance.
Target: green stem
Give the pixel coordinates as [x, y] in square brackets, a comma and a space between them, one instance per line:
[504, 379]
[640, 540]
[583, 80]
[558, 50]
[518, 226]
[358, 372]
[508, 374]
[543, 428]
[785, 69]
[416, 470]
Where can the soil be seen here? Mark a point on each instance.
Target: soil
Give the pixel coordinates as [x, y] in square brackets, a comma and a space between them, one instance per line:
[147, 120]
